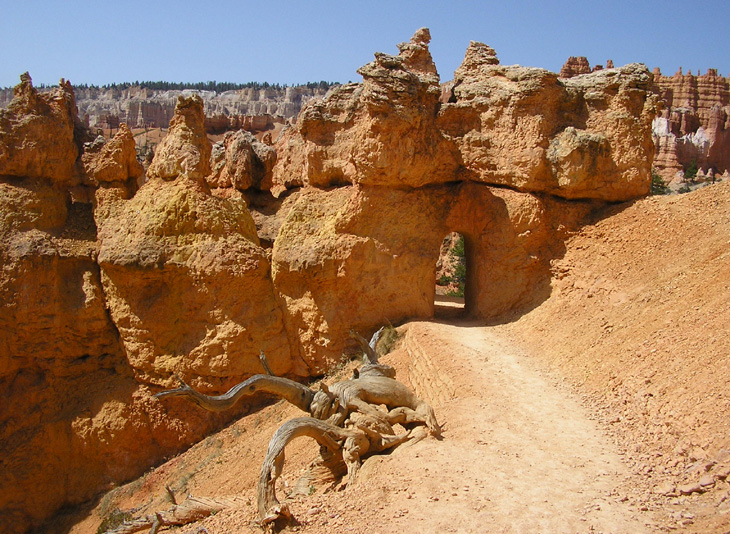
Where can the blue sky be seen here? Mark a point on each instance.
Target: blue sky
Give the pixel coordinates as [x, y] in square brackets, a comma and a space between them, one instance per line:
[292, 42]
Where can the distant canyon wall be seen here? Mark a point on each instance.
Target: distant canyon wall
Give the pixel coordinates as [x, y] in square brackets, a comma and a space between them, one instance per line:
[139, 106]
[693, 125]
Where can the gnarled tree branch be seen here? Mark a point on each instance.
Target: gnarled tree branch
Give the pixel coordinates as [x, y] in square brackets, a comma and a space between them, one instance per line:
[294, 392]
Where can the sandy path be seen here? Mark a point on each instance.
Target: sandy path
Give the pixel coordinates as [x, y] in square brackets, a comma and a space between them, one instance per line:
[518, 454]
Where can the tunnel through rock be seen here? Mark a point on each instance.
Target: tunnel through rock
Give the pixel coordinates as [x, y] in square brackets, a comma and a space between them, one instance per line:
[451, 277]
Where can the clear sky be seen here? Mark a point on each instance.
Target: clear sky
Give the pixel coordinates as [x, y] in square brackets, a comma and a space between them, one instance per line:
[289, 42]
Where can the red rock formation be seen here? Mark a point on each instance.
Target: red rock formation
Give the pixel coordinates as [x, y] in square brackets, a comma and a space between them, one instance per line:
[520, 127]
[186, 149]
[354, 257]
[499, 125]
[220, 123]
[575, 66]
[186, 281]
[72, 417]
[348, 137]
[115, 161]
[694, 125]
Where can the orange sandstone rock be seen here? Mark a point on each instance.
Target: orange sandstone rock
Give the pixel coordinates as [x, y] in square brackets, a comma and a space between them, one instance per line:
[37, 133]
[105, 301]
[114, 161]
[241, 161]
[355, 257]
[382, 132]
[694, 126]
[188, 285]
[186, 149]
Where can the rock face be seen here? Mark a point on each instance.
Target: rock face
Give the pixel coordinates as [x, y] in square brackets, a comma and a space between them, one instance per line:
[694, 126]
[382, 132]
[113, 282]
[354, 257]
[76, 412]
[37, 133]
[113, 161]
[241, 161]
[514, 126]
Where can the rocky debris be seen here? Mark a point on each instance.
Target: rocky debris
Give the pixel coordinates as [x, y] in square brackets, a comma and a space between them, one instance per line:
[37, 133]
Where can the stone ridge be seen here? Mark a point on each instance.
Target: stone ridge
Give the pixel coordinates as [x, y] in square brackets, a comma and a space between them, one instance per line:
[511, 126]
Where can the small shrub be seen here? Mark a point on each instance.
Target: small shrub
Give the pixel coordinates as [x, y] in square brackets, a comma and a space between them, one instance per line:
[115, 518]
[658, 185]
[459, 278]
[690, 173]
[388, 340]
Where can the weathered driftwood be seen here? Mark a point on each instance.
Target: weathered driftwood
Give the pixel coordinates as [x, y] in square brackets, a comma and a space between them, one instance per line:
[294, 392]
[346, 420]
[346, 444]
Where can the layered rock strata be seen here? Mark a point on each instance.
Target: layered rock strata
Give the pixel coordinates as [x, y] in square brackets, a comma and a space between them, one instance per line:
[692, 129]
[139, 107]
[113, 282]
[694, 126]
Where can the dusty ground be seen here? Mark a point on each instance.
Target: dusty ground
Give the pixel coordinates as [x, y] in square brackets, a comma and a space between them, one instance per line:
[603, 409]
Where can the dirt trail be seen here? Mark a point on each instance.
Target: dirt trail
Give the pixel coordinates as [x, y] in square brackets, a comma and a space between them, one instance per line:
[519, 454]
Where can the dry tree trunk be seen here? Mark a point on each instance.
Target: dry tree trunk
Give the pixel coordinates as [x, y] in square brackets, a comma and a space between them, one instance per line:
[328, 436]
[348, 445]
[294, 392]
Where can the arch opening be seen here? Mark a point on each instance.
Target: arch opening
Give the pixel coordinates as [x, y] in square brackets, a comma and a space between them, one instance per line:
[451, 277]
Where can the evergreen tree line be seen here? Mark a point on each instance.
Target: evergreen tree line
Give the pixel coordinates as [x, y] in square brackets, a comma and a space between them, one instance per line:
[218, 87]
